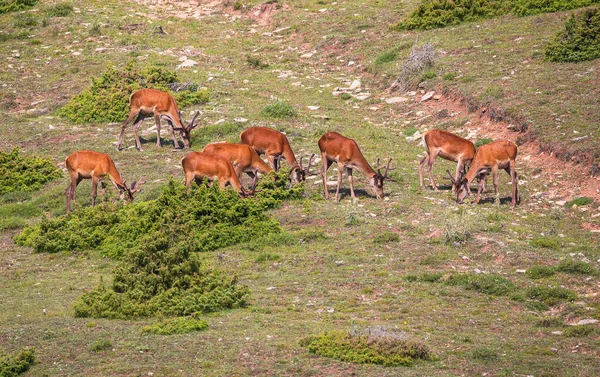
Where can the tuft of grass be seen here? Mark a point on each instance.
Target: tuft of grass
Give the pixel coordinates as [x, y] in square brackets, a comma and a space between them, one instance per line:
[386, 57]
[7, 6]
[60, 10]
[386, 237]
[482, 141]
[494, 92]
[13, 365]
[267, 257]
[578, 41]
[550, 296]
[457, 228]
[491, 284]
[581, 201]
[25, 173]
[580, 330]
[550, 322]
[95, 30]
[577, 267]
[255, 62]
[409, 131]
[545, 243]
[450, 76]
[538, 272]
[430, 277]
[100, 345]
[279, 110]
[484, 354]
[178, 325]
[25, 20]
[428, 74]
[367, 347]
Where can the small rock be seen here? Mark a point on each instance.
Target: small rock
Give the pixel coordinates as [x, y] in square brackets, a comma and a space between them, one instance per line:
[241, 120]
[396, 100]
[362, 96]
[427, 96]
[587, 321]
[477, 271]
[182, 58]
[355, 85]
[313, 107]
[557, 332]
[521, 271]
[187, 63]
[270, 288]
[307, 55]
[437, 97]
[561, 203]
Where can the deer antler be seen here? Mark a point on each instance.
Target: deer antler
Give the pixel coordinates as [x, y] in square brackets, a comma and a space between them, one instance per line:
[135, 186]
[307, 169]
[192, 124]
[451, 177]
[387, 169]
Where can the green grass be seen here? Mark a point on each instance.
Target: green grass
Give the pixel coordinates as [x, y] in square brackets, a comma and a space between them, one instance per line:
[180, 325]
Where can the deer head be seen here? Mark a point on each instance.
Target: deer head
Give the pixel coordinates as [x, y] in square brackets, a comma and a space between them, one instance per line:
[378, 179]
[460, 186]
[301, 172]
[186, 131]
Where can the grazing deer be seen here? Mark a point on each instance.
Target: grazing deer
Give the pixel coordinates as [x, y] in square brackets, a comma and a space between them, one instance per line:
[95, 165]
[199, 165]
[151, 102]
[337, 148]
[275, 146]
[500, 154]
[242, 157]
[448, 146]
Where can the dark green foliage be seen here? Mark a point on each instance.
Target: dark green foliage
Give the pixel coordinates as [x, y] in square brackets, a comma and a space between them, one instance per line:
[163, 276]
[550, 296]
[491, 284]
[100, 345]
[107, 99]
[13, 365]
[19, 173]
[8, 36]
[278, 110]
[178, 325]
[211, 218]
[577, 267]
[15, 5]
[267, 257]
[431, 14]
[484, 354]
[430, 277]
[25, 20]
[584, 200]
[550, 322]
[538, 272]
[545, 243]
[386, 57]
[366, 348]
[60, 10]
[479, 142]
[386, 237]
[580, 330]
[255, 62]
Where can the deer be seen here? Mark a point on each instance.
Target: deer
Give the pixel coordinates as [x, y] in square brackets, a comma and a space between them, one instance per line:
[275, 146]
[242, 157]
[199, 165]
[151, 102]
[499, 154]
[449, 147]
[337, 148]
[94, 165]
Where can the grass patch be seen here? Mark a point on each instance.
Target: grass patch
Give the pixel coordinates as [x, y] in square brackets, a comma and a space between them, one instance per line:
[457, 228]
[539, 272]
[279, 110]
[267, 257]
[179, 325]
[580, 330]
[491, 284]
[484, 354]
[100, 345]
[20, 173]
[550, 296]
[577, 268]
[13, 365]
[25, 20]
[408, 132]
[544, 243]
[579, 40]
[482, 141]
[386, 57]
[367, 347]
[107, 99]
[386, 237]
[581, 201]
[60, 10]
[255, 62]
[7, 6]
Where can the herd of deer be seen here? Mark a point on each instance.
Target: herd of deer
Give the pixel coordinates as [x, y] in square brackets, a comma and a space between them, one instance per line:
[226, 162]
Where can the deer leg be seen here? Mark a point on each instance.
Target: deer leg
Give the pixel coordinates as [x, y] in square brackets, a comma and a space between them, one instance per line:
[515, 182]
[430, 162]
[495, 181]
[326, 165]
[157, 121]
[94, 190]
[351, 181]
[479, 187]
[459, 168]
[421, 163]
[136, 125]
[272, 163]
[254, 178]
[132, 115]
[339, 182]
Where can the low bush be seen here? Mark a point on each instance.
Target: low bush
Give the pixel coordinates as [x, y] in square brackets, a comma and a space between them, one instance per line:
[538, 272]
[178, 325]
[25, 20]
[577, 267]
[532, 7]
[491, 284]
[107, 99]
[7, 6]
[584, 200]
[369, 347]
[580, 330]
[484, 354]
[545, 243]
[60, 10]
[482, 141]
[386, 237]
[550, 296]
[386, 57]
[13, 365]
[279, 110]
[20, 173]
[100, 345]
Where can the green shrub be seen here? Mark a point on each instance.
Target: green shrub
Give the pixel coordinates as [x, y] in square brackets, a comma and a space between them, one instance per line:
[581, 201]
[538, 272]
[369, 347]
[386, 237]
[15, 5]
[100, 345]
[60, 10]
[255, 62]
[267, 257]
[550, 296]
[479, 142]
[19, 173]
[491, 284]
[484, 354]
[178, 325]
[428, 74]
[457, 228]
[25, 20]
[210, 217]
[545, 243]
[107, 99]
[13, 365]
[580, 330]
[450, 76]
[408, 132]
[577, 267]
[430, 277]
[532, 7]
[279, 109]
[386, 57]
[579, 41]
[12, 223]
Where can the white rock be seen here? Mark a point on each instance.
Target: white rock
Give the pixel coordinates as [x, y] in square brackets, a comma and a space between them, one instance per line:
[182, 58]
[521, 271]
[187, 63]
[362, 96]
[313, 107]
[561, 203]
[587, 321]
[557, 332]
[307, 55]
[355, 85]
[427, 96]
[241, 120]
[396, 100]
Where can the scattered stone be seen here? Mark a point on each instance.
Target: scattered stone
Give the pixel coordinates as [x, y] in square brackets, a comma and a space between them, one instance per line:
[477, 271]
[561, 202]
[557, 333]
[355, 85]
[587, 321]
[321, 116]
[416, 136]
[362, 96]
[396, 100]
[427, 96]
[521, 271]
[437, 97]
[187, 63]
[182, 58]
[241, 120]
[313, 107]
[307, 55]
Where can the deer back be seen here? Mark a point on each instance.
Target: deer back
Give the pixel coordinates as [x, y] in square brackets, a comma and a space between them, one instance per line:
[152, 100]
[90, 164]
[498, 152]
[345, 151]
[450, 146]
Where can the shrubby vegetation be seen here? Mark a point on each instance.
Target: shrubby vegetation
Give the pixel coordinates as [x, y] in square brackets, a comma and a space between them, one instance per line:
[20, 173]
[15, 5]
[107, 99]
[278, 110]
[579, 41]
[367, 347]
[13, 365]
[431, 14]
[178, 325]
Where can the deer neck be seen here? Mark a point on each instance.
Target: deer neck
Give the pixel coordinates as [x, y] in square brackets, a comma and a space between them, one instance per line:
[289, 155]
[115, 177]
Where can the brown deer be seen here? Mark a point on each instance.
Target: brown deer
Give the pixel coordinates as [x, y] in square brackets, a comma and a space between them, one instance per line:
[151, 102]
[500, 154]
[275, 146]
[242, 157]
[199, 165]
[337, 148]
[95, 165]
[448, 146]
